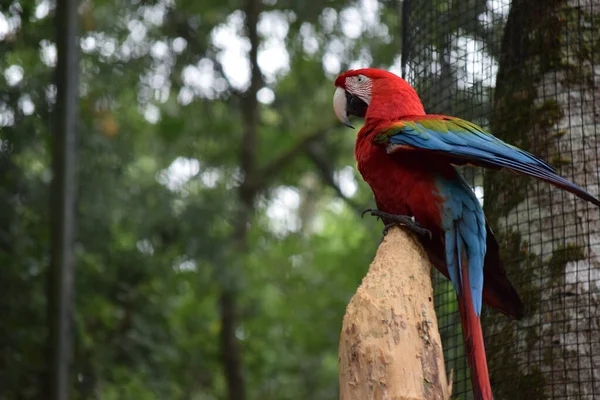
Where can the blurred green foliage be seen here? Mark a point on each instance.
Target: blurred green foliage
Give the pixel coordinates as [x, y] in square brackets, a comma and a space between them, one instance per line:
[161, 131]
[151, 243]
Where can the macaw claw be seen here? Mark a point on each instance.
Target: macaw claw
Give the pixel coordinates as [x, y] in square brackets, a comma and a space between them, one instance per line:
[398, 220]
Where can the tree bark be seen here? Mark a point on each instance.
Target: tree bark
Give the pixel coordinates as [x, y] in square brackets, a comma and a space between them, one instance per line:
[548, 83]
[390, 346]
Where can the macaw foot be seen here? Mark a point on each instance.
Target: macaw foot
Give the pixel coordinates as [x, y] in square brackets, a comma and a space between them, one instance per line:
[398, 220]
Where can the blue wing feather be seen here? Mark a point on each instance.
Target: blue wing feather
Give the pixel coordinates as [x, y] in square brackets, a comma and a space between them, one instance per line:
[450, 237]
[467, 142]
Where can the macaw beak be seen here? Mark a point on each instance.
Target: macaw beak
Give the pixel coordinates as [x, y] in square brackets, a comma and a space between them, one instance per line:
[345, 104]
[339, 106]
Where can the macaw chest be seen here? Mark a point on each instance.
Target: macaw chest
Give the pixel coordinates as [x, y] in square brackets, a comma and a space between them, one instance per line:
[403, 184]
[388, 178]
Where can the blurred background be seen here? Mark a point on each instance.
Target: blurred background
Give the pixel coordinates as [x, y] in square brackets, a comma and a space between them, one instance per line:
[218, 235]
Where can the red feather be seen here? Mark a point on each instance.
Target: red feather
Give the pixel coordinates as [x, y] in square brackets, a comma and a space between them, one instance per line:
[473, 337]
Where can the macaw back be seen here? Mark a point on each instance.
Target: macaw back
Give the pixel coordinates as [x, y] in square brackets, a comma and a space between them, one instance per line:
[405, 184]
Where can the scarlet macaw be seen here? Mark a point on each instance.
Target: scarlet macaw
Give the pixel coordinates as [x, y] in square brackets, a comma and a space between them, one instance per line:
[407, 157]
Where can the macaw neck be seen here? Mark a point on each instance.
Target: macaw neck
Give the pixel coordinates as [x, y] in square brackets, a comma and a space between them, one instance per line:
[392, 102]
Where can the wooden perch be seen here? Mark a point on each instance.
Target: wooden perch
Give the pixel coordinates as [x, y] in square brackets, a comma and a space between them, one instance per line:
[390, 347]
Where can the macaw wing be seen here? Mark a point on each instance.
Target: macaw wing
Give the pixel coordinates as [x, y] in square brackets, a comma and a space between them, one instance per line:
[467, 143]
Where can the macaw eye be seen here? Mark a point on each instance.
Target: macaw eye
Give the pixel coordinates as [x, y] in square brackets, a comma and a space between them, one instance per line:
[361, 78]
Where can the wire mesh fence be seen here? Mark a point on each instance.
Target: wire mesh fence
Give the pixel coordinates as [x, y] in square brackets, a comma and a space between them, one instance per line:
[527, 70]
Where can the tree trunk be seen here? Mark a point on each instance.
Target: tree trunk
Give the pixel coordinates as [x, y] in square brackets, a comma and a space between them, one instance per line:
[545, 103]
[390, 346]
[231, 353]
[64, 169]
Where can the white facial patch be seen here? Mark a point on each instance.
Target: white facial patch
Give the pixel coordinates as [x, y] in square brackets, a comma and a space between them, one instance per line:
[360, 86]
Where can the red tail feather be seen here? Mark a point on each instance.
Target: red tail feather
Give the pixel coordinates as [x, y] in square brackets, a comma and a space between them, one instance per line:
[473, 337]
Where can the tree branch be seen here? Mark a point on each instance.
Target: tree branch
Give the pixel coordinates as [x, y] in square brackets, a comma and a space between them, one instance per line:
[280, 162]
[326, 172]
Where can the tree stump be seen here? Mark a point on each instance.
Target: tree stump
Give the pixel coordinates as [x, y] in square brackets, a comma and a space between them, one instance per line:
[390, 346]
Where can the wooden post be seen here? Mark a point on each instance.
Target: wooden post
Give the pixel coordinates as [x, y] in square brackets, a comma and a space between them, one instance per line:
[390, 346]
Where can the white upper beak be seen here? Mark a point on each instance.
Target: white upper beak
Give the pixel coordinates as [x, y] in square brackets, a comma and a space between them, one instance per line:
[339, 106]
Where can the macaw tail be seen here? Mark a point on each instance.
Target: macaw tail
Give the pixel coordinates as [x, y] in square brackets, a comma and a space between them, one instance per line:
[473, 337]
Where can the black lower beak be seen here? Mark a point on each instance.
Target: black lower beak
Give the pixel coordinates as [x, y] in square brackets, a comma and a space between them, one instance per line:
[355, 106]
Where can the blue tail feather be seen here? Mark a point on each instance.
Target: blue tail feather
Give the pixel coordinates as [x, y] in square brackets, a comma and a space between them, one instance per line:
[465, 235]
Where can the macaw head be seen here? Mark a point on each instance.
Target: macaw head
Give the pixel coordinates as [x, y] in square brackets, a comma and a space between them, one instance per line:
[374, 94]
